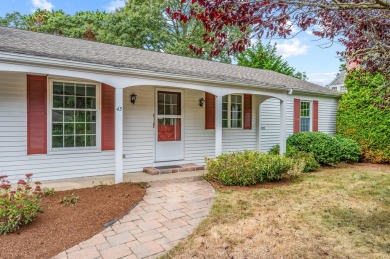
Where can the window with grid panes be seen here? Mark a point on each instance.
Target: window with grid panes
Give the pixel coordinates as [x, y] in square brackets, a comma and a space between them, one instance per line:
[305, 116]
[73, 111]
[232, 111]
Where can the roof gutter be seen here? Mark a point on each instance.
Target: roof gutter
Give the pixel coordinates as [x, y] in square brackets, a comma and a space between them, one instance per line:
[69, 64]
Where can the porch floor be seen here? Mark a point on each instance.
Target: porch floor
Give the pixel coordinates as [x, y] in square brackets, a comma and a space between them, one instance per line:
[84, 182]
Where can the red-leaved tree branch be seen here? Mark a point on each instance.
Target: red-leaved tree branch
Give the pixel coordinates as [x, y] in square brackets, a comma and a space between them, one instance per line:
[362, 26]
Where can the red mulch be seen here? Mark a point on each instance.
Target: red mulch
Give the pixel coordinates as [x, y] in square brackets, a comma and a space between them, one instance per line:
[62, 226]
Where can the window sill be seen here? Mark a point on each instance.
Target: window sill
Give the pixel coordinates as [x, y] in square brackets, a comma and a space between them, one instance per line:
[73, 151]
[232, 128]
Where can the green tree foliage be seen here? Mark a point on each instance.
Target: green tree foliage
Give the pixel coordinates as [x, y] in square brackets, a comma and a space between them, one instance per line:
[361, 118]
[84, 25]
[148, 24]
[143, 24]
[14, 19]
[265, 57]
[139, 24]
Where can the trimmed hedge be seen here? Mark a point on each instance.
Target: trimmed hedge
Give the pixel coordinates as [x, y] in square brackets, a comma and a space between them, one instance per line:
[360, 119]
[247, 168]
[325, 148]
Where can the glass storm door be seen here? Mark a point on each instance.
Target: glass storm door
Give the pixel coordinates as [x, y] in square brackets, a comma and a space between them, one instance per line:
[169, 145]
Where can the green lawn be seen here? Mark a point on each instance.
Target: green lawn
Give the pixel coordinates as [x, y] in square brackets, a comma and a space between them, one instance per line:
[332, 213]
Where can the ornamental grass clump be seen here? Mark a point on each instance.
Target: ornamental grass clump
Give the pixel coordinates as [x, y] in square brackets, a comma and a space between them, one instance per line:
[247, 168]
[19, 205]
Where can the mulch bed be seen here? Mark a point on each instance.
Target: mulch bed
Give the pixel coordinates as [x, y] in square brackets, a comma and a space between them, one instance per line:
[62, 226]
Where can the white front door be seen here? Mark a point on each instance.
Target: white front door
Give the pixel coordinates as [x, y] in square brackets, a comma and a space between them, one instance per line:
[169, 130]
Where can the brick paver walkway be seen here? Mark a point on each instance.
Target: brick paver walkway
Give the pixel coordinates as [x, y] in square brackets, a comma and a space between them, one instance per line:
[169, 211]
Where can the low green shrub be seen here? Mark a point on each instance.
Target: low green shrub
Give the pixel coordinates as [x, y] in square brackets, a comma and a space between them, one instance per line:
[247, 168]
[49, 191]
[71, 200]
[18, 206]
[350, 149]
[310, 163]
[325, 148]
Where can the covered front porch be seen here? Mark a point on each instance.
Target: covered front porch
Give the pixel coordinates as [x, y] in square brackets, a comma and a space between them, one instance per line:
[136, 123]
[142, 139]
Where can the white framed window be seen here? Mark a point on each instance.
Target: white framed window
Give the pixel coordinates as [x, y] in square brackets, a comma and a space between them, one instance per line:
[232, 110]
[73, 116]
[305, 116]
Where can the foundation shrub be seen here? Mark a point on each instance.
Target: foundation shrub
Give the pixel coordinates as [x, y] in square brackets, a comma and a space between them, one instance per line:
[309, 162]
[350, 149]
[324, 147]
[19, 205]
[247, 168]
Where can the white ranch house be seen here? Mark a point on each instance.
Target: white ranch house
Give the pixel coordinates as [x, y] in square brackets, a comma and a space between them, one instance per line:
[75, 108]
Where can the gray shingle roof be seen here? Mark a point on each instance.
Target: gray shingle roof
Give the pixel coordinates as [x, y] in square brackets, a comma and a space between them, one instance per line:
[51, 46]
[339, 80]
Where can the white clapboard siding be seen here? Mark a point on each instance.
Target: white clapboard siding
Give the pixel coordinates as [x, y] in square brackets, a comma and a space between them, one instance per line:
[327, 110]
[14, 160]
[138, 131]
[241, 139]
[139, 134]
[199, 142]
[270, 118]
[269, 124]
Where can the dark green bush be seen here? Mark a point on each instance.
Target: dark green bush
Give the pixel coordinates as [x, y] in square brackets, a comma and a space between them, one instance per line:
[311, 163]
[364, 116]
[350, 149]
[247, 168]
[325, 148]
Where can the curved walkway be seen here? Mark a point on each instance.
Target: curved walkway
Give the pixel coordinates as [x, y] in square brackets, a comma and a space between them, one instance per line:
[169, 212]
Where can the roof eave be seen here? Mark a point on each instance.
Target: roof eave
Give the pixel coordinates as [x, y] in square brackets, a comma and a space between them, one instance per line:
[70, 64]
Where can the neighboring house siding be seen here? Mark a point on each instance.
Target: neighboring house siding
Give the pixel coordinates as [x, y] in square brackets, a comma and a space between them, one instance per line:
[14, 160]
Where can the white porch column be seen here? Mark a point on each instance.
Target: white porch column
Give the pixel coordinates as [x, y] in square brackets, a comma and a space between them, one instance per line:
[118, 135]
[283, 127]
[218, 125]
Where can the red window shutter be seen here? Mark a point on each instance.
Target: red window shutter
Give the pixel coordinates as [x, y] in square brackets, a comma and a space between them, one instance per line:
[108, 117]
[210, 111]
[247, 111]
[36, 114]
[297, 115]
[315, 116]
